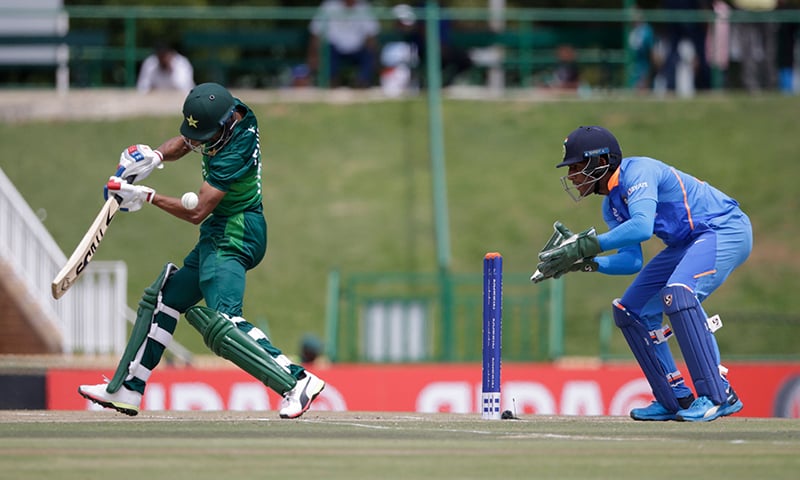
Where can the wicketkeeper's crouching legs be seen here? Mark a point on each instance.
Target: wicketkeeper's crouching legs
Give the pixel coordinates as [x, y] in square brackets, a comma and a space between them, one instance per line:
[650, 348]
[715, 397]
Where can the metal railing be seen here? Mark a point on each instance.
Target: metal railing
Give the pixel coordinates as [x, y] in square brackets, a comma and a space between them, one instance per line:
[92, 317]
[399, 317]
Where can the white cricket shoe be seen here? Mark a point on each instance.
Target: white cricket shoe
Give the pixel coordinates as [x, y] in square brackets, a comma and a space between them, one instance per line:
[297, 400]
[123, 400]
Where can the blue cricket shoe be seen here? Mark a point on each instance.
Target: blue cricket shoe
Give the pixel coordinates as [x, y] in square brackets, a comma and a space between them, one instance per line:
[704, 410]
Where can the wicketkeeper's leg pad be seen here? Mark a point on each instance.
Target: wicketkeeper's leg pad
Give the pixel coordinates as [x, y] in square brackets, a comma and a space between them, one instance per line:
[698, 344]
[146, 326]
[225, 339]
[643, 345]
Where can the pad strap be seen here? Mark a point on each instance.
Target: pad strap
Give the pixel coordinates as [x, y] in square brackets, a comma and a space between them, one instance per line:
[675, 378]
[150, 304]
[167, 309]
[661, 335]
[158, 334]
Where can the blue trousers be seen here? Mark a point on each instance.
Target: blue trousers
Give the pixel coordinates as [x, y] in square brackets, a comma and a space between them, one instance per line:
[703, 264]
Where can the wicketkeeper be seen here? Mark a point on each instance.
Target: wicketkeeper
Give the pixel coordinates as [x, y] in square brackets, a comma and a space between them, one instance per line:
[233, 240]
[706, 236]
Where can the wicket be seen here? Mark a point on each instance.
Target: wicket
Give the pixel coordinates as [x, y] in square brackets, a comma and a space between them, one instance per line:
[492, 334]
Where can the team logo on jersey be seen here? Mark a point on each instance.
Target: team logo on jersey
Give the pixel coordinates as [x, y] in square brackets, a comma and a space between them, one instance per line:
[638, 186]
[191, 121]
[668, 300]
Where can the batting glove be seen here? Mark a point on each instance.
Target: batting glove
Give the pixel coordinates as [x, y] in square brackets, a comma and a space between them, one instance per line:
[131, 197]
[137, 162]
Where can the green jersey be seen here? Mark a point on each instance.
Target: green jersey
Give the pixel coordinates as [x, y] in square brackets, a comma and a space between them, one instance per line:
[236, 168]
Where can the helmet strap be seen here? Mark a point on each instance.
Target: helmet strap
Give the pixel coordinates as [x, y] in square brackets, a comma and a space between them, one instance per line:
[594, 170]
[226, 133]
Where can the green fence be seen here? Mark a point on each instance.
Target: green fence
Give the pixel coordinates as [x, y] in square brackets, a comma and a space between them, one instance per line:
[274, 39]
[401, 317]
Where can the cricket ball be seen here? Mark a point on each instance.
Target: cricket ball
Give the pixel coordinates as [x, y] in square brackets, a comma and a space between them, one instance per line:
[189, 200]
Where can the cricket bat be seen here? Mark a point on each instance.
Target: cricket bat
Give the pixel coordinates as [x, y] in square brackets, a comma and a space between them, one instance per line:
[85, 250]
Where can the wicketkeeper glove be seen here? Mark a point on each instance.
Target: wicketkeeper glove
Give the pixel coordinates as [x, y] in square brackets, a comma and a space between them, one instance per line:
[132, 197]
[576, 253]
[555, 240]
[584, 265]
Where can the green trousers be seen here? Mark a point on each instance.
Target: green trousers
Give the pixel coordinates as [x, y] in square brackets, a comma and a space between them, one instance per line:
[213, 271]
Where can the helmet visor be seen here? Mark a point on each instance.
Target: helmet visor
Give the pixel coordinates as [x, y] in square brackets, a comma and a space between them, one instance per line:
[586, 179]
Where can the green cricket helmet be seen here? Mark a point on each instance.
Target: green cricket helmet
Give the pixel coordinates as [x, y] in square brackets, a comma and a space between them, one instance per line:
[207, 108]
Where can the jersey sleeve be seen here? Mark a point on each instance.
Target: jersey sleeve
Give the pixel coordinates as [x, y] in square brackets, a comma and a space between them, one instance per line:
[637, 229]
[628, 260]
[627, 236]
[640, 182]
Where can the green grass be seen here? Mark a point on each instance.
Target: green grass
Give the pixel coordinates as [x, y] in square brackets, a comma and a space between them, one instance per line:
[349, 187]
[238, 445]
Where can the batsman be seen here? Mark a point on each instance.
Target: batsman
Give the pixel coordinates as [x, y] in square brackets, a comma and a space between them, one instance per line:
[232, 240]
[706, 235]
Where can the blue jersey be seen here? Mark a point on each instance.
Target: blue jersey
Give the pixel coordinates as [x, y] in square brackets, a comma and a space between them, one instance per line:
[649, 197]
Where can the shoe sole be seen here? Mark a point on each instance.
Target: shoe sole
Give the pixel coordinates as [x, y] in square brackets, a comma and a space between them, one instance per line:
[125, 408]
[663, 418]
[308, 404]
[720, 412]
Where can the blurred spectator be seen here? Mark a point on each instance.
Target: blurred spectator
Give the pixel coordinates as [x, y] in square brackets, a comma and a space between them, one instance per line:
[757, 47]
[165, 69]
[566, 75]
[693, 32]
[787, 36]
[641, 41]
[455, 60]
[399, 58]
[349, 30]
[719, 45]
[301, 76]
[311, 350]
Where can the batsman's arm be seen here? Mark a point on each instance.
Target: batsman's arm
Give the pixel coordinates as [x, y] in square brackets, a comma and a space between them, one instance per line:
[174, 149]
[208, 199]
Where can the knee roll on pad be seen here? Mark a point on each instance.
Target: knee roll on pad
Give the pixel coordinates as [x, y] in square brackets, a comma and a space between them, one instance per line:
[642, 345]
[225, 339]
[698, 345]
[144, 327]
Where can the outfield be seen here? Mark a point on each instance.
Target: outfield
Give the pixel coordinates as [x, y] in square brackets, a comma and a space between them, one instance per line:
[325, 445]
[347, 186]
